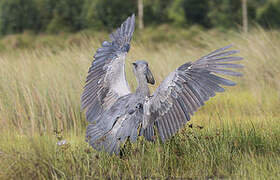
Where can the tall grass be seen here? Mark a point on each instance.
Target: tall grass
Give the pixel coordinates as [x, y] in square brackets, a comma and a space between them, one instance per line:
[40, 96]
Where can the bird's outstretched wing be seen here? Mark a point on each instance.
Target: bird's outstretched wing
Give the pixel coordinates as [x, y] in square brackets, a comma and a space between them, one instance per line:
[186, 89]
[106, 80]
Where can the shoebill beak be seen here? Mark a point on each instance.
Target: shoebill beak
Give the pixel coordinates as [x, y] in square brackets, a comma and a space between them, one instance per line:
[150, 77]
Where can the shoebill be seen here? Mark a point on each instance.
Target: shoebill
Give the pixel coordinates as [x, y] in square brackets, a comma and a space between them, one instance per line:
[115, 114]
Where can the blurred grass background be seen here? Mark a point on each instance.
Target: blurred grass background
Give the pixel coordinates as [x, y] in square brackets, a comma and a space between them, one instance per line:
[41, 82]
[46, 48]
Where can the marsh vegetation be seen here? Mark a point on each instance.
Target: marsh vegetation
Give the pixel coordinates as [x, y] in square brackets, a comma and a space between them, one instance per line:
[235, 135]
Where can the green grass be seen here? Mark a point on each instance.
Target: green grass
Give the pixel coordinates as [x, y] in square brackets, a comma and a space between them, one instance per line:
[40, 88]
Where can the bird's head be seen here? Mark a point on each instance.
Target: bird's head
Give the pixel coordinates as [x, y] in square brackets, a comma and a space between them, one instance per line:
[141, 69]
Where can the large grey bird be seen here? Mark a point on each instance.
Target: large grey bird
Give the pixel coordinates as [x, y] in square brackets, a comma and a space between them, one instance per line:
[116, 114]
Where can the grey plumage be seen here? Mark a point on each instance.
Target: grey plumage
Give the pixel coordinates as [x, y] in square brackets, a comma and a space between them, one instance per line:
[186, 89]
[116, 125]
[106, 80]
[123, 119]
[116, 114]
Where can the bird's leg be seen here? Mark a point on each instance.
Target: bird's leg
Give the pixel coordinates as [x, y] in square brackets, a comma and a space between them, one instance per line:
[125, 150]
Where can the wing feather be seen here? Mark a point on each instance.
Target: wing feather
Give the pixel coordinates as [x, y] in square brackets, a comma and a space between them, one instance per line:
[149, 133]
[106, 80]
[160, 130]
[172, 115]
[187, 88]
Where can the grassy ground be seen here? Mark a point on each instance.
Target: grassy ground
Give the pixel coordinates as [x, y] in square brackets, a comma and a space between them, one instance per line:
[235, 135]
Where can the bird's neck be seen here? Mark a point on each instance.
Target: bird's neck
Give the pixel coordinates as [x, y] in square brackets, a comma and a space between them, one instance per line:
[142, 88]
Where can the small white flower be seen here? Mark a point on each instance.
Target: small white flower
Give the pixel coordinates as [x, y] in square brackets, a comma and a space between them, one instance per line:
[62, 142]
